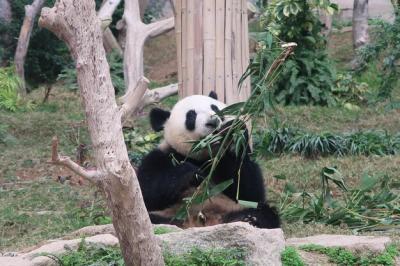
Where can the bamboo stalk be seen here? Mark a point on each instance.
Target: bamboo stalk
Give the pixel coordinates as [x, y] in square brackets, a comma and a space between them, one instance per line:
[189, 84]
[209, 46]
[228, 52]
[178, 34]
[220, 48]
[198, 47]
[184, 42]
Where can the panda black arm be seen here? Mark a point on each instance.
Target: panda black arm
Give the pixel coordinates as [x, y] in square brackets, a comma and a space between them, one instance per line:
[251, 186]
[162, 182]
[263, 216]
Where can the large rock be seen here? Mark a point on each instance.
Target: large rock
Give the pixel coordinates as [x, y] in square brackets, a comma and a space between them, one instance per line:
[262, 246]
[354, 243]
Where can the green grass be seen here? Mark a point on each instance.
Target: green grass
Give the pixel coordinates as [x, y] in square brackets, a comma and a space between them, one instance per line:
[99, 255]
[341, 256]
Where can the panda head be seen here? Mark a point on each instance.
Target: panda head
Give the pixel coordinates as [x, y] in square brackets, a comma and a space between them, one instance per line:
[191, 119]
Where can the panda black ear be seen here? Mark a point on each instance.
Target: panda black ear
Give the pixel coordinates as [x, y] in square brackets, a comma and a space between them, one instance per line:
[213, 95]
[158, 117]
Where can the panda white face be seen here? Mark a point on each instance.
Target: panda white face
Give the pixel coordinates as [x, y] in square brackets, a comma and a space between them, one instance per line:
[191, 118]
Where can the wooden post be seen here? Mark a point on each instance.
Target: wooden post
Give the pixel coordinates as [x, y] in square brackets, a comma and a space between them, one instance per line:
[212, 46]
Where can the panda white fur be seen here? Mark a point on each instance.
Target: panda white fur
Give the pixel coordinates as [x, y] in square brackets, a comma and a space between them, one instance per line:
[164, 183]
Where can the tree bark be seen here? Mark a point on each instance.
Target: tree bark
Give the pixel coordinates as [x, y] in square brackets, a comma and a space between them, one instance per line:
[75, 22]
[23, 41]
[360, 23]
[213, 48]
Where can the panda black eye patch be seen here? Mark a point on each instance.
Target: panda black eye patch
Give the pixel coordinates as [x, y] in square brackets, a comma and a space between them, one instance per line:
[191, 120]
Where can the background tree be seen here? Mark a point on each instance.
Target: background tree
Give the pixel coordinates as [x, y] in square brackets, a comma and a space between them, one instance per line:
[212, 47]
[360, 23]
[76, 23]
[23, 40]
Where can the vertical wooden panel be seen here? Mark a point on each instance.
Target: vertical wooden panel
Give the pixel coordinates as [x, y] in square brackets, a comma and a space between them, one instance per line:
[190, 48]
[178, 34]
[198, 47]
[183, 47]
[243, 94]
[236, 42]
[220, 48]
[228, 52]
[209, 46]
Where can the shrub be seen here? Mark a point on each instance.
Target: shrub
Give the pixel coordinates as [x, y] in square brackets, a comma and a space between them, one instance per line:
[9, 84]
[308, 76]
[385, 50]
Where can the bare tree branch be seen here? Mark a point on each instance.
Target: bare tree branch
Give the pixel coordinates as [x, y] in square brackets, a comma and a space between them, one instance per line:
[107, 10]
[160, 27]
[93, 176]
[132, 99]
[156, 95]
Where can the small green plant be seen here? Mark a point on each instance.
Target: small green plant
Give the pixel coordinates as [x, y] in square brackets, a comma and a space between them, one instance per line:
[9, 84]
[213, 257]
[349, 92]
[372, 205]
[313, 145]
[342, 256]
[290, 257]
[140, 145]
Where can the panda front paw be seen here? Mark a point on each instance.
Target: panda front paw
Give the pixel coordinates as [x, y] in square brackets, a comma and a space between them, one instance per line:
[252, 220]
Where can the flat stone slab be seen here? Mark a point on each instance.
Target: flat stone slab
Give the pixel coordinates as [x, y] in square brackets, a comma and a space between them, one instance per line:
[355, 243]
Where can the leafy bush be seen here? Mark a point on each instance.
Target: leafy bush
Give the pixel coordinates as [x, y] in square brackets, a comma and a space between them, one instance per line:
[68, 73]
[308, 76]
[313, 145]
[9, 84]
[350, 92]
[372, 205]
[385, 50]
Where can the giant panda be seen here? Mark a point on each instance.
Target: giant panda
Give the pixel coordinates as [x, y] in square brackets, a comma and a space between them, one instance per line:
[171, 172]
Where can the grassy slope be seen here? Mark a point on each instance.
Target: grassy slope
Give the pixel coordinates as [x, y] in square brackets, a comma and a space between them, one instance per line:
[34, 207]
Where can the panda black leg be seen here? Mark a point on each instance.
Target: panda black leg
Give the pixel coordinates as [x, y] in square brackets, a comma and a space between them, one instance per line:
[262, 217]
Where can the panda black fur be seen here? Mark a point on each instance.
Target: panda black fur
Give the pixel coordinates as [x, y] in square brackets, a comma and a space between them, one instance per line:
[164, 183]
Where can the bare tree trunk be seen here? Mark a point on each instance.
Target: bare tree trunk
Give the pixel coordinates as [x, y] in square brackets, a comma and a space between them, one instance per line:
[75, 22]
[23, 40]
[213, 48]
[360, 23]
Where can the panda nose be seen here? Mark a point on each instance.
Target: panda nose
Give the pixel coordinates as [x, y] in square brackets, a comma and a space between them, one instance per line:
[213, 122]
